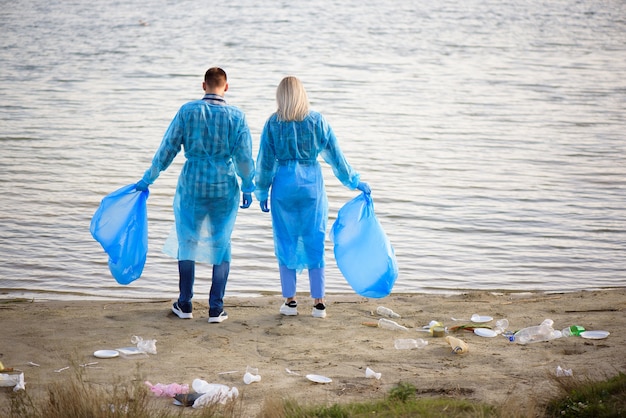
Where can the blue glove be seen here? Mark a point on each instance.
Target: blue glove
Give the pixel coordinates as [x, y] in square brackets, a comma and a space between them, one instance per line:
[141, 186]
[264, 207]
[364, 187]
[247, 200]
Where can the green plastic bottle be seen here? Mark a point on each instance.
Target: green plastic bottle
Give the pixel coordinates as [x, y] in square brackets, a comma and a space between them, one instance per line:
[574, 330]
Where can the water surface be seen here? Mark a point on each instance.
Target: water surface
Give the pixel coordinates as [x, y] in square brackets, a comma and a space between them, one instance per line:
[491, 133]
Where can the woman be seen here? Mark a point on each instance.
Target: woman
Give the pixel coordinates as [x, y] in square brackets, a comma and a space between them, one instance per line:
[291, 141]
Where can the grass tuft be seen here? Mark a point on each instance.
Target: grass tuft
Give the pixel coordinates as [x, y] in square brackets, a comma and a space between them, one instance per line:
[582, 397]
[401, 402]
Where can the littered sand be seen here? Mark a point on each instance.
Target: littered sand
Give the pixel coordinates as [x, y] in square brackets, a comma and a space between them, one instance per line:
[49, 340]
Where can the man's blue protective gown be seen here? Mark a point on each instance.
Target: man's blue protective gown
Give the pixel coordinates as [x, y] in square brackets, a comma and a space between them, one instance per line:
[218, 148]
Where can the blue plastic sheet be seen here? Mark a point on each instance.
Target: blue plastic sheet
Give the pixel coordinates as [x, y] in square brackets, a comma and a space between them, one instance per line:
[120, 225]
[363, 252]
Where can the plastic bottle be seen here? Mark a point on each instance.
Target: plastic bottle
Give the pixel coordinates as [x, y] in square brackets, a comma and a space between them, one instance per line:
[543, 332]
[392, 325]
[574, 330]
[458, 346]
[409, 343]
[509, 335]
[381, 310]
[501, 326]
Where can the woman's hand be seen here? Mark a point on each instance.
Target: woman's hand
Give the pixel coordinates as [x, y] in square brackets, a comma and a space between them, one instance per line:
[364, 187]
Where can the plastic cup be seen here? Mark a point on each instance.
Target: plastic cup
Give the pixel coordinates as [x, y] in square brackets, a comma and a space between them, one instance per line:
[371, 374]
[251, 378]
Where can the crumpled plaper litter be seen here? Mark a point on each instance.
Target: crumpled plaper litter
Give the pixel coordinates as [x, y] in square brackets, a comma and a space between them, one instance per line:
[14, 379]
[169, 390]
[212, 393]
[563, 372]
[146, 346]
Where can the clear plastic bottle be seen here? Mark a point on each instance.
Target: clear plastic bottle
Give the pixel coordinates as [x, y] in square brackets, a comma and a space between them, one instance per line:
[501, 326]
[573, 330]
[381, 310]
[392, 325]
[409, 343]
[543, 332]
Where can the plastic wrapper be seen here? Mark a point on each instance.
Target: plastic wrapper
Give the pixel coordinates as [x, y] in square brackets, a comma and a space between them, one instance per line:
[212, 393]
[120, 225]
[14, 379]
[168, 390]
[145, 346]
[363, 252]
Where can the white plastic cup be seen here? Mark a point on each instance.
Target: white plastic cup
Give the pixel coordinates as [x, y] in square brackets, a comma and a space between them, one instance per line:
[251, 378]
[371, 374]
[252, 370]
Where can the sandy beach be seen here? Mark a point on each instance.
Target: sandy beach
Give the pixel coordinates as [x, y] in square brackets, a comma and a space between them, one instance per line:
[48, 339]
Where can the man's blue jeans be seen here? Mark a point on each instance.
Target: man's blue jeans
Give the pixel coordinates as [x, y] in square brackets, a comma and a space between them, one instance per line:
[186, 273]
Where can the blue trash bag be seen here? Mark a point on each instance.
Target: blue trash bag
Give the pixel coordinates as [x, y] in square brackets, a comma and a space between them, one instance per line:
[120, 225]
[363, 252]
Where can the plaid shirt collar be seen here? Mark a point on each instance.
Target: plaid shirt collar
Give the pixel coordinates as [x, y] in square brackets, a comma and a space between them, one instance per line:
[215, 99]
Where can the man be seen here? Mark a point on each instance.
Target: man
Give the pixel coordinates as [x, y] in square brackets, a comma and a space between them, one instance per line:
[218, 148]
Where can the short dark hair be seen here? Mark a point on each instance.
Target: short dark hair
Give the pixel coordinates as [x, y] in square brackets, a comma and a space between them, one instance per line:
[215, 77]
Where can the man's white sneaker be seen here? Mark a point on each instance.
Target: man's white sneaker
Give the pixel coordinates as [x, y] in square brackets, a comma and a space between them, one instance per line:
[220, 318]
[179, 312]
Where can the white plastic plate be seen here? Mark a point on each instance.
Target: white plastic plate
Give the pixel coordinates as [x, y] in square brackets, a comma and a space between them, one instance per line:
[485, 332]
[318, 379]
[478, 318]
[594, 335]
[106, 353]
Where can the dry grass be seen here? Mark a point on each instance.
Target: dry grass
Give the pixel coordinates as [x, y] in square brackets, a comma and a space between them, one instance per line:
[77, 398]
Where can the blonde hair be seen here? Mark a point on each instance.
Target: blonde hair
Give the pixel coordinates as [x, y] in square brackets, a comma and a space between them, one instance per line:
[292, 100]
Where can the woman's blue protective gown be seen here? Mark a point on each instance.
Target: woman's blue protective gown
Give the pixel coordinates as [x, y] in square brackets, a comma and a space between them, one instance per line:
[218, 148]
[287, 163]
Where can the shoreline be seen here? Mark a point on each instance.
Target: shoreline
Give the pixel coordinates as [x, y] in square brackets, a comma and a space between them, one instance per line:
[58, 334]
[49, 296]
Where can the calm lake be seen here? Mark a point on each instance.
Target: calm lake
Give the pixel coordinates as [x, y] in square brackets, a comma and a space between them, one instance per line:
[492, 134]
